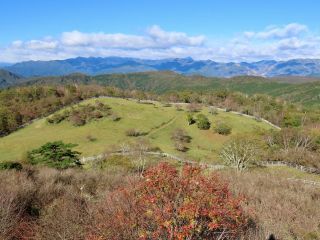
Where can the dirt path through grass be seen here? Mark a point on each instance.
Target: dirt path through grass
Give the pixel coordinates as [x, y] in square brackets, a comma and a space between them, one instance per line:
[162, 126]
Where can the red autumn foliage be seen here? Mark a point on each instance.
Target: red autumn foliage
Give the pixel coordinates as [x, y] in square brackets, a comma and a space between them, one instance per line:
[171, 204]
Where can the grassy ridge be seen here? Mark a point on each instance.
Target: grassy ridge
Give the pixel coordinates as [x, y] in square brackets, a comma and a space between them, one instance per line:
[155, 120]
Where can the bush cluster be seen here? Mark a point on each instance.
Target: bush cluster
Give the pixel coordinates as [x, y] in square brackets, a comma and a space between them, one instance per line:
[181, 139]
[203, 122]
[83, 114]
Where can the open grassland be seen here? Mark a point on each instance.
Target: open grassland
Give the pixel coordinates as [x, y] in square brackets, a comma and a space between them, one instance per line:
[156, 121]
[283, 201]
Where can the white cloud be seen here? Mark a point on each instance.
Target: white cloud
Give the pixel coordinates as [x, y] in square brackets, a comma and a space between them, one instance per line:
[275, 42]
[76, 38]
[290, 30]
[163, 38]
[41, 45]
[155, 38]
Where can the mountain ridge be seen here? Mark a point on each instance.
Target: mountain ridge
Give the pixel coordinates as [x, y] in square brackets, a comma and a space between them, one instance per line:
[187, 66]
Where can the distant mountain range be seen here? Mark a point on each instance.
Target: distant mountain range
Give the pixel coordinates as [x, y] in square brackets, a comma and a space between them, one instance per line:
[187, 66]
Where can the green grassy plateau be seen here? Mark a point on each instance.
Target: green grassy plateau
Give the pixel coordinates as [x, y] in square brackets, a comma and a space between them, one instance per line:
[156, 120]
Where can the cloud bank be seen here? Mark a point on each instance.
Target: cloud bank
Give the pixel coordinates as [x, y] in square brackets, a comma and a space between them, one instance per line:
[274, 42]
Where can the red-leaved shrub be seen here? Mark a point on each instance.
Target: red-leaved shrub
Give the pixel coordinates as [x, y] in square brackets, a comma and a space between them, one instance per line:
[170, 204]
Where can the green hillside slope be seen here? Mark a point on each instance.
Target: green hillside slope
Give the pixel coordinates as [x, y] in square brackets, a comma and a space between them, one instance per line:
[156, 121]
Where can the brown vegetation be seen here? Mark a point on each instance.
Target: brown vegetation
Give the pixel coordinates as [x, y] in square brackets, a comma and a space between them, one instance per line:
[42, 203]
[286, 207]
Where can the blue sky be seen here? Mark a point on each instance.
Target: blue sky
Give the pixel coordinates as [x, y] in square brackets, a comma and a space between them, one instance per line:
[225, 30]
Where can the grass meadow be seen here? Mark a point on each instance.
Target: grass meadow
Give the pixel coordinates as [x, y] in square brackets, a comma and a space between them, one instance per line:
[157, 121]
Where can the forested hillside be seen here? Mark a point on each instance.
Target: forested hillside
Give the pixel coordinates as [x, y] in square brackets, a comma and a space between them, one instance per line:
[161, 82]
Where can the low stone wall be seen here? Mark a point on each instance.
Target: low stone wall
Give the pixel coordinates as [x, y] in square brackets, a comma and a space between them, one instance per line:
[311, 170]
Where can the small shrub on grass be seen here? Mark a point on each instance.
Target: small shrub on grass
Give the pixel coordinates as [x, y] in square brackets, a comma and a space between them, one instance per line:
[91, 138]
[97, 114]
[10, 165]
[77, 120]
[134, 132]
[56, 118]
[180, 135]
[222, 128]
[115, 117]
[55, 154]
[203, 122]
[180, 146]
[190, 119]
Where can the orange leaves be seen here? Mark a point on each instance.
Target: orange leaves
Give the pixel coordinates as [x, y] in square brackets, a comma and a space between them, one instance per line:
[168, 204]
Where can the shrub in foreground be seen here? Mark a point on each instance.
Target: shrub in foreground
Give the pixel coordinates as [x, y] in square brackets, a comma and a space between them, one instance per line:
[168, 204]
